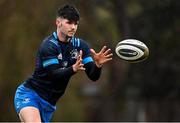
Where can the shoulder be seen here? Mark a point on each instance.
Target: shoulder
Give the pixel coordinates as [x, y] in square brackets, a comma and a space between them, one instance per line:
[78, 42]
[49, 41]
[82, 45]
[48, 44]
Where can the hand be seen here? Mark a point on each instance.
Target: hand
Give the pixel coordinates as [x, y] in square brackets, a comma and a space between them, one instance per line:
[78, 65]
[102, 57]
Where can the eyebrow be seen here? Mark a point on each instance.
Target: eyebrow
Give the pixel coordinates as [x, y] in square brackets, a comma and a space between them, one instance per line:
[76, 22]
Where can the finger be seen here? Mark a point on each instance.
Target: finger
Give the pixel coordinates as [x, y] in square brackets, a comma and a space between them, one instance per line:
[80, 53]
[109, 59]
[82, 68]
[107, 51]
[81, 65]
[79, 60]
[109, 55]
[103, 49]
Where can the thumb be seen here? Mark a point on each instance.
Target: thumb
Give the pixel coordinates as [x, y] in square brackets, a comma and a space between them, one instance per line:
[93, 52]
[80, 53]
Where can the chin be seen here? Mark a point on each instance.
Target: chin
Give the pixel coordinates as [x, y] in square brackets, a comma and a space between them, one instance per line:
[70, 35]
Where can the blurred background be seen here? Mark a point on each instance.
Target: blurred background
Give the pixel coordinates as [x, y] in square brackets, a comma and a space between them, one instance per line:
[145, 91]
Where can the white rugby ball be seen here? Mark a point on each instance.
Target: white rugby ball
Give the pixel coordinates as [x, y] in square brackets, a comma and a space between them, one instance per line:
[132, 50]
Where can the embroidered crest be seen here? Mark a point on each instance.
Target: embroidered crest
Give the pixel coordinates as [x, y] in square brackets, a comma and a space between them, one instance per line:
[60, 56]
[74, 54]
[26, 100]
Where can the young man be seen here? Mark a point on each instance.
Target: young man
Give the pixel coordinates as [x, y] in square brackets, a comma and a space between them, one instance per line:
[59, 57]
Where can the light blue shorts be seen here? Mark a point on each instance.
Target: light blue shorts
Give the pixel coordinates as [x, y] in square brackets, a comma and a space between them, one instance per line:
[25, 97]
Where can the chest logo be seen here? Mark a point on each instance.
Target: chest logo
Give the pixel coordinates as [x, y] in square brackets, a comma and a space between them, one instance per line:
[60, 56]
[74, 54]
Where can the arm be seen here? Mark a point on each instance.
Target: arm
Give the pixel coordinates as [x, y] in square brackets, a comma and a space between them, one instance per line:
[64, 73]
[48, 53]
[92, 71]
[102, 57]
[55, 72]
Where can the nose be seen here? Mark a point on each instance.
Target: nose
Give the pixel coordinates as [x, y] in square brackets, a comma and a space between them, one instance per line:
[73, 26]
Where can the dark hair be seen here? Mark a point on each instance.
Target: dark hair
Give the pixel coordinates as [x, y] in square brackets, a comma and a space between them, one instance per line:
[68, 12]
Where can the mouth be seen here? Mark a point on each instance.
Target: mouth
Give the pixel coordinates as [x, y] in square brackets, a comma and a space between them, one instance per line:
[71, 32]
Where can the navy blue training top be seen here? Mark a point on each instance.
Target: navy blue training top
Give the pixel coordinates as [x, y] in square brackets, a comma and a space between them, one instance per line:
[53, 68]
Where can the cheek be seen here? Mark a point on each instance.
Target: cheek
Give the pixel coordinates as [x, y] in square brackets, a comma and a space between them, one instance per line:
[59, 25]
[75, 28]
[64, 29]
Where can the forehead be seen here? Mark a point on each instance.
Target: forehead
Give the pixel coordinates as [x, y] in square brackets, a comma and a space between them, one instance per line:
[66, 20]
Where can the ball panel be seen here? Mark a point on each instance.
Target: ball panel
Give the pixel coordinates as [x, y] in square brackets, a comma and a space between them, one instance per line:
[132, 50]
[133, 41]
[143, 48]
[129, 52]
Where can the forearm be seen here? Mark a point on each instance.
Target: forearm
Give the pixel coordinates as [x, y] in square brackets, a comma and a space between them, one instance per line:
[60, 73]
[92, 71]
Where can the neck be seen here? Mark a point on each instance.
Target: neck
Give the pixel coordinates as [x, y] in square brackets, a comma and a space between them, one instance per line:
[62, 37]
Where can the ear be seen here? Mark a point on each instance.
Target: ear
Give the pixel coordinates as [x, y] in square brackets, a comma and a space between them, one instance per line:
[58, 22]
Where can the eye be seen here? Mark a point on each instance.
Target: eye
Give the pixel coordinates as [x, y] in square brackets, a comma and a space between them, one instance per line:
[72, 22]
[76, 23]
[69, 22]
